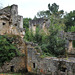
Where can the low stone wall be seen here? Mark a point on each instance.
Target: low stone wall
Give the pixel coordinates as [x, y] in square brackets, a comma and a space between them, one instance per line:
[15, 65]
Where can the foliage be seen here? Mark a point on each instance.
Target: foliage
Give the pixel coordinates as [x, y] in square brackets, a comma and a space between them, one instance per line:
[51, 44]
[74, 43]
[56, 44]
[52, 10]
[72, 29]
[26, 26]
[26, 22]
[29, 36]
[69, 20]
[43, 14]
[7, 49]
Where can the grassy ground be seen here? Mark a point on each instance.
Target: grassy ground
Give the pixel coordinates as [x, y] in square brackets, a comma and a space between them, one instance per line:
[17, 74]
[28, 73]
[10, 74]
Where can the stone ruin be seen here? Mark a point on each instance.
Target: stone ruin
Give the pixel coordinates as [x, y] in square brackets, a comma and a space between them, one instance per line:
[70, 37]
[51, 65]
[42, 23]
[48, 65]
[11, 22]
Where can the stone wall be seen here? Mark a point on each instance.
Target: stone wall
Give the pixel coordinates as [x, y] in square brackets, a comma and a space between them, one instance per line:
[15, 65]
[70, 36]
[11, 22]
[49, 65]
[42, 23]
[18, 63]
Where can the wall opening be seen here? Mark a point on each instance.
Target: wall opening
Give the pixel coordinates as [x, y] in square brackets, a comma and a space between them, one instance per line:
[33, 65]
[62, 66]
[15, 24]
[63, 69]
[12, 69]
[3, 23]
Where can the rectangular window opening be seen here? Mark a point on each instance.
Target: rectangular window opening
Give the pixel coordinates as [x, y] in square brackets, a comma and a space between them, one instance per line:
[12, 69]
[33, 65]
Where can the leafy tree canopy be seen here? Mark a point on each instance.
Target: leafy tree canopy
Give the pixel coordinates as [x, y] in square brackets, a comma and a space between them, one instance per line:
[52, 9]
[69, 20]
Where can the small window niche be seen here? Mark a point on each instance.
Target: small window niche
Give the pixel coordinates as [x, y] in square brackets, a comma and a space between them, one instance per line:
[3, 23]
[63, 69]
[15, 24]
[12, 69]
[33, 65]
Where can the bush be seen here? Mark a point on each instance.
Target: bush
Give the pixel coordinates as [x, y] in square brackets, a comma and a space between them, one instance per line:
[73, 29]
[7, 49]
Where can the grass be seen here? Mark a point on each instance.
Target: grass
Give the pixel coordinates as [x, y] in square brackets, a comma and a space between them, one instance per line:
[10, 74]
[28, 73]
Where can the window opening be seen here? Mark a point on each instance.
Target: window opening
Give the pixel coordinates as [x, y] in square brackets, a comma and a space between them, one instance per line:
[12, 68]
[33, 65]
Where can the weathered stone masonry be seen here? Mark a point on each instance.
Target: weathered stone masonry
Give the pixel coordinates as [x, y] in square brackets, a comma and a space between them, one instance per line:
[11, 22]
[49, 65]
[42, 23]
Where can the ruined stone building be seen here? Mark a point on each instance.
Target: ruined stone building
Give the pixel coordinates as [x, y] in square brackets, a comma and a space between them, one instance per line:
[12, 24]
[70, 39]
[51, 65]
[48, 65]
[42, 23]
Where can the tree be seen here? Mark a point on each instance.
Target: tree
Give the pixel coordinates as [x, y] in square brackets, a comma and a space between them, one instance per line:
[43, 13]
[56, 44]
[52, 10]
[26, 26]
[26, 22]
[69, 20]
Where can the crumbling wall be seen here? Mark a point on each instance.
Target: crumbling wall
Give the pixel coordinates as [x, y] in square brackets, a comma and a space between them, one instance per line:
[13, 21]
[49, 65]
[19, 62]
[42, 23]
[12, 24]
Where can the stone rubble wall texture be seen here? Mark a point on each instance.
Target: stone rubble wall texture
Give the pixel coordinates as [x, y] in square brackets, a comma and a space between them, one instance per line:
[70, 36]
[49, 65]
[42, 23]
[11, 22]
